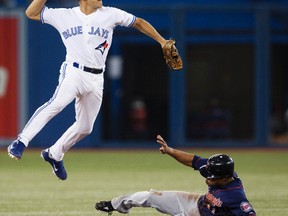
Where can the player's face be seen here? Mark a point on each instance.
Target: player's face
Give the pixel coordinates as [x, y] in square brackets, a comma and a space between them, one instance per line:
[221, 181]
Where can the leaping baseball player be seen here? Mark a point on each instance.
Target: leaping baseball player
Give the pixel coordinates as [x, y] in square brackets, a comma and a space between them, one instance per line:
[225, 196]
[86, 31]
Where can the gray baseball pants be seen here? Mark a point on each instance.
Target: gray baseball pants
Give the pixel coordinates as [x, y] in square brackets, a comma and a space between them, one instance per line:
[176, 203]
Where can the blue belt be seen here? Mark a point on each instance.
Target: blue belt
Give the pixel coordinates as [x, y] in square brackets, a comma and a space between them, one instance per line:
[87, 69]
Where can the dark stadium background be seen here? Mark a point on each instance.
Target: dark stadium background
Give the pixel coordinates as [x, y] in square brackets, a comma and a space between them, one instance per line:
[232, 91]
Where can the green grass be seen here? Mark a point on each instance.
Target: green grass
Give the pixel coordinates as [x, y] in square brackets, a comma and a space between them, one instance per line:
[28, 188]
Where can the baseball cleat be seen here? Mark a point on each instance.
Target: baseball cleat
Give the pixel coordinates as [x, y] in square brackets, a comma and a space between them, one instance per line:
[104, 206]
[16, 149]
[57, 166]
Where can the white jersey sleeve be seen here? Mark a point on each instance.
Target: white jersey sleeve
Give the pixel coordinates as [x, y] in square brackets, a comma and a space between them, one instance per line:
[52, 15]
[123, 18]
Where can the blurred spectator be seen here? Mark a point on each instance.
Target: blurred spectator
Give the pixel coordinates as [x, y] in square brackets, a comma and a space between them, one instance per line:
[138, 120]
[279, 125]
[277, 122]
[286, 121]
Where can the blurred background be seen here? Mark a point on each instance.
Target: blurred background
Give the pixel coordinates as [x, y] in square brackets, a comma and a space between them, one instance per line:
[232, 91]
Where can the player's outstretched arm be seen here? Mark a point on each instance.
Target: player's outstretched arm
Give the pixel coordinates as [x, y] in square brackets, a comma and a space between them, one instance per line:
[34, 9]
[147, 29]
[171, 55]
[181, 156]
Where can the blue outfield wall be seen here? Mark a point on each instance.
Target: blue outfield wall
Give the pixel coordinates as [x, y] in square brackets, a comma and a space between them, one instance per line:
[194, 2]
[23, 3]
[46, 53]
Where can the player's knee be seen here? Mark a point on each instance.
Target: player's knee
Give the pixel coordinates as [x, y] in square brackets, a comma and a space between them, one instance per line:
[155, 192]
[84, 130]
[153, 196]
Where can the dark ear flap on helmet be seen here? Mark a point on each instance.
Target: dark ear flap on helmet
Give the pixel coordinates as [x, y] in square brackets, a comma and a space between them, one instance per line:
[218, 166]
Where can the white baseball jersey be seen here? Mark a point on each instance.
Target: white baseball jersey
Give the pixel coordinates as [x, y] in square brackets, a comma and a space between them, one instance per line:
[87, 38]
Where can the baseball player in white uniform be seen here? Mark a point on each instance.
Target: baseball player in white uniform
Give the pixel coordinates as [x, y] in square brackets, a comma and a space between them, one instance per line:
[86, 32]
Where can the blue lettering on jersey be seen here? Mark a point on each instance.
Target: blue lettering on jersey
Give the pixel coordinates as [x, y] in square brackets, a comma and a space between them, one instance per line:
[72, 32]
[99, 31]
[79, 30]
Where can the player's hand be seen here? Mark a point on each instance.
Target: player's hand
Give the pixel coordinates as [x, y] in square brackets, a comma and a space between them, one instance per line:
[164, 147]
[164, 42]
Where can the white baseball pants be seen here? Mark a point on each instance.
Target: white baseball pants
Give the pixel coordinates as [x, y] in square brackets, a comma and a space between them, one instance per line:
[87, 90]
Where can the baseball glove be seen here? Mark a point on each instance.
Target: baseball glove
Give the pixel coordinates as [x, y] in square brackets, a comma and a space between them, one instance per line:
[171, 55]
